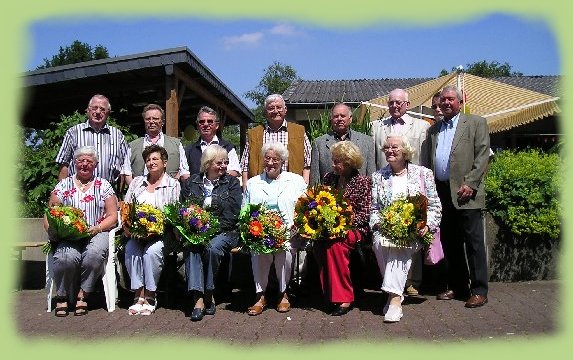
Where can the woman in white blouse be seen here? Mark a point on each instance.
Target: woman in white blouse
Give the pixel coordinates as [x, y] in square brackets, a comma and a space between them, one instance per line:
[144, 258]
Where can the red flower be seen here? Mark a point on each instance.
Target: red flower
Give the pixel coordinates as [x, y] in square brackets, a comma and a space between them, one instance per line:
[256, 228]
[88, 198]
[97, 183]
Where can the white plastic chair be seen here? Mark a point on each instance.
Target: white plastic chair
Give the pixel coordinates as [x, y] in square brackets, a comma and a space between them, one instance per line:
[108, 277]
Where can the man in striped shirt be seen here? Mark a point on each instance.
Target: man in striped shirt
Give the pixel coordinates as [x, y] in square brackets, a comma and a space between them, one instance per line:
[109, 142]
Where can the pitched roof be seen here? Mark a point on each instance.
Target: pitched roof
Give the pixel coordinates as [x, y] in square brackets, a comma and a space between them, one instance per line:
[307, 92]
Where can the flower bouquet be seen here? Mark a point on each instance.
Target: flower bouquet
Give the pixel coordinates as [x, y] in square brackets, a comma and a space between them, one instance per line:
[322, 213]
[196, 225]
[403, 218]
[67, 222]
[142, 220]
[262, 230]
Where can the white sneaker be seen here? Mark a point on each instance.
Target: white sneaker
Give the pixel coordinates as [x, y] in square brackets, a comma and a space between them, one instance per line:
[394, 314]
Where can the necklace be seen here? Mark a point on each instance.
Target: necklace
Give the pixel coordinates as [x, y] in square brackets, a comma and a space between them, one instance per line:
[84, 185]
[400, 172]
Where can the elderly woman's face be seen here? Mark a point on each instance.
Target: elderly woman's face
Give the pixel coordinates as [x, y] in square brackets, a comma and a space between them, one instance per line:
[154, 163]
[272, 164]
[340, 166]
[85, 165]
[394, 150]
[218, 167]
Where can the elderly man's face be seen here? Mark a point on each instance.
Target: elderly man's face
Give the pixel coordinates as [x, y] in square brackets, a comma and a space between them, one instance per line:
[207, 125]
[438, 115]
[397, 104]
[98, 112]
[340, 119]
[449, 103]
[275, 112]
[153, 122]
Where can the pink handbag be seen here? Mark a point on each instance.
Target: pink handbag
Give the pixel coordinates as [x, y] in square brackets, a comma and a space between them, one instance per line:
[434, 252]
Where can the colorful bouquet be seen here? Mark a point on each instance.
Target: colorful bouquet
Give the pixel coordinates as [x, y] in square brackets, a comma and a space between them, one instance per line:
[262, 230]
[142, 220]
[403, 218]
[67, 222]
[196, 225]
[322, 213]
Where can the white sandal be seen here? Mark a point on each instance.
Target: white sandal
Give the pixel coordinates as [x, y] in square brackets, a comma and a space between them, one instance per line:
[136, 308]
[148, 308]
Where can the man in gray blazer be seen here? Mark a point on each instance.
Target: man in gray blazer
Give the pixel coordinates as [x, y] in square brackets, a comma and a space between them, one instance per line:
[458, 153]
[414, 129]
[321, 159]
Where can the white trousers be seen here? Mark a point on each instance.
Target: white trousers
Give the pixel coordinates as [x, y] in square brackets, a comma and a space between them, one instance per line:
[261, 265]
[394, 264]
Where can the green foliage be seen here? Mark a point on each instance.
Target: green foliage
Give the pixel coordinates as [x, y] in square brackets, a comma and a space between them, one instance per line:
[276, 79]
[75, 53]
[37, 169]
[232, 133]
[522, 190]
[487, 69]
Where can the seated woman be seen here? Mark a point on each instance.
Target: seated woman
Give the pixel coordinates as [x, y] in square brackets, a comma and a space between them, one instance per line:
[399, 178]
[144, 257]
[83, 259]
[214, 190]
[279, 190]
[333, 256]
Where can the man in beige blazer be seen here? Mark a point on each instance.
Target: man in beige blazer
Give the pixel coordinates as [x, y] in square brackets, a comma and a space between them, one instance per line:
[458, 153]
[415, 130]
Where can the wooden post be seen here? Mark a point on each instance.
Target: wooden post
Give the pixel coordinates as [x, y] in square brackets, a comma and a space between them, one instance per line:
[172, 115]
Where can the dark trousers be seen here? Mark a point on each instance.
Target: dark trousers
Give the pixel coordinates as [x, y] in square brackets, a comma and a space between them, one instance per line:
[463, 241]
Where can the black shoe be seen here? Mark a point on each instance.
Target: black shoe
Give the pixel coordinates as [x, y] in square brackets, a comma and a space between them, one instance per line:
[197, 314]
[210, 309]
[340, 310]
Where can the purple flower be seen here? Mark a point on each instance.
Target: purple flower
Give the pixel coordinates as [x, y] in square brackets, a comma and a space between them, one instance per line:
[152, 218]
[204, 228]
[269, 242]
[140, 215]
[193, 222]
[255, 214]
[312, 204]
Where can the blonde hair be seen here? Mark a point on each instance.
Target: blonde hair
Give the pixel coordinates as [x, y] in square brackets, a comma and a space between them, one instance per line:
[407, 149]
[211, 153]
[348, 153]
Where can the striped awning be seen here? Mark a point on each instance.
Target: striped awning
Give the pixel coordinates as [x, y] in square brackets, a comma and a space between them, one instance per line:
[504, 106]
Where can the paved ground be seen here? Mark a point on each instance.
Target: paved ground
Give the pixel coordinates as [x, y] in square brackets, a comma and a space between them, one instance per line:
[524, 310]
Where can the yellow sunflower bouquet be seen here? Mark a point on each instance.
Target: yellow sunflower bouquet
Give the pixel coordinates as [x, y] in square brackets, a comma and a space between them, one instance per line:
[322, 213]
[142, 220]
[403, 218]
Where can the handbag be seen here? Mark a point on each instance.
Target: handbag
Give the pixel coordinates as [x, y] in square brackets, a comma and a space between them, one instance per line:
[434, 252]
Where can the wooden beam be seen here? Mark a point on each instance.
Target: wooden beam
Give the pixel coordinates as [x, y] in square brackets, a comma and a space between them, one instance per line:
[205, 94]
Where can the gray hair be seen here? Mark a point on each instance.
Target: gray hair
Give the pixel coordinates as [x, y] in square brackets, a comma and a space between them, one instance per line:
[277, 147]
[453, 88]
[208, 110]
[274, 97]
[86, 150]
[408, 150]
[348, 108]
[211, 153]
[101, 97]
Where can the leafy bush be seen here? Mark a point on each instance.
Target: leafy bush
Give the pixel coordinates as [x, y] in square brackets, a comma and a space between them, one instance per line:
[522, 190]
[37, 169]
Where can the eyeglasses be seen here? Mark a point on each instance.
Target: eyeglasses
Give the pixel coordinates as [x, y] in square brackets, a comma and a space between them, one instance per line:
[87, 161]
[434, 107]
[274, 108]
[96, 108]
[152, 118]
[269, 159]
[221, 163]
[393, 148]
[208, 122]
[396, 103]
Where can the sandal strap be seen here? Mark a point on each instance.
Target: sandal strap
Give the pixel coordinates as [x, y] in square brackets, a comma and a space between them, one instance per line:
[151, 300]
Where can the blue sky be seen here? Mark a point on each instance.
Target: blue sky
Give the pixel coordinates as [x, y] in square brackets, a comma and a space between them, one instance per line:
[238, 51]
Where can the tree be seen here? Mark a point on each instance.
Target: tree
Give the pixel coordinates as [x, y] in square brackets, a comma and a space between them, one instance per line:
[487, 70]
[75, 53]
[276, 79]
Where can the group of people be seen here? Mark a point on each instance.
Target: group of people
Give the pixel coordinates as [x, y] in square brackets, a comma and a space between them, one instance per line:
[403, 156]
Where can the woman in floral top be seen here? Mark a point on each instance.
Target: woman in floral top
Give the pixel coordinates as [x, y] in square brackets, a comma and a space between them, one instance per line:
[83, 259]
[333, 256]
[396, 180]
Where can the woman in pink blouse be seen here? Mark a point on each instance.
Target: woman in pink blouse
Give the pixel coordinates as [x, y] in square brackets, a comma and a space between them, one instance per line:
[82, 260]
[333, 256]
